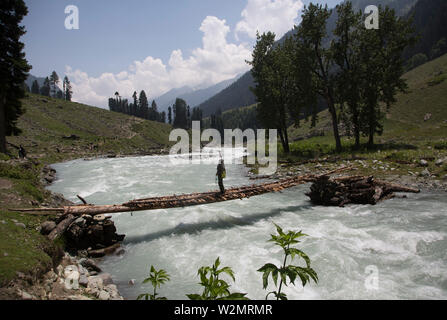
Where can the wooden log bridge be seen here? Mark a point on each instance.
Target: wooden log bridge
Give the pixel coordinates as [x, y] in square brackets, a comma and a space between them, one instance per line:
[185, 200]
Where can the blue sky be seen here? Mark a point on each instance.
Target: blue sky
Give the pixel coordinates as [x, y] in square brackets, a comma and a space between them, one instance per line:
[149, 44]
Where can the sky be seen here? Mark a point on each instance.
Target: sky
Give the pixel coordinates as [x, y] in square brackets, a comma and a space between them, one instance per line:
[151, 45]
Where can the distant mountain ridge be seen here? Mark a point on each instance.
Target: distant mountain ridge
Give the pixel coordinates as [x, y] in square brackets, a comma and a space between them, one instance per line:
[192, 97]
[239, 93]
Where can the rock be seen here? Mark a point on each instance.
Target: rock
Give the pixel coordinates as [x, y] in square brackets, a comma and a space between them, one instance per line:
[26, 296]
[80, 222]
[78, 297]
[60, 270]
[5, 254]
[72, 275]
[99, 217]
[423, 163]
[47, 226]
[106, 278]
[3, 222]
[95, 283]
[103, 295]
[69, 269]
[427, 116]
[90, 265]
[425, 173]
[120, 252]
[132, 282]
[439, 162]
[83, 280]
[19, 224]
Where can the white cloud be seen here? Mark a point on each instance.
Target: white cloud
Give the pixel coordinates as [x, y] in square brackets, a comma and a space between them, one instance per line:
[215, 61]
[278, 16]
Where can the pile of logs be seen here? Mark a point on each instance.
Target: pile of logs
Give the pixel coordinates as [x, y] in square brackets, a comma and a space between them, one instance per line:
[95, 234]
[353, 189]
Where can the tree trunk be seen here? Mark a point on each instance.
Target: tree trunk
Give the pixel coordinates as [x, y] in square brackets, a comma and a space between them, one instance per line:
[333, 112]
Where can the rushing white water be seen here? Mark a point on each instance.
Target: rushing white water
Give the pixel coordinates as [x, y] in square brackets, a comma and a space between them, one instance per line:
[405, 239]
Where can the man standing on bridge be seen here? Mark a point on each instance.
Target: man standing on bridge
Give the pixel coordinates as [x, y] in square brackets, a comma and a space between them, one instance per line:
[221, 173]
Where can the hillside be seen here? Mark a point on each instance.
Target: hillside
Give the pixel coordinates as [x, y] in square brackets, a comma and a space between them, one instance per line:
[405, 120]
[54, 130]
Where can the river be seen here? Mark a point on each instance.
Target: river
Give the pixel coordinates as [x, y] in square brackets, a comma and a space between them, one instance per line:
[399, 246]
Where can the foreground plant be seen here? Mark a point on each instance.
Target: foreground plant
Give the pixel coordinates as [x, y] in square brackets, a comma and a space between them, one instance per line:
[157, 278]
[290, 272]
[215, 288]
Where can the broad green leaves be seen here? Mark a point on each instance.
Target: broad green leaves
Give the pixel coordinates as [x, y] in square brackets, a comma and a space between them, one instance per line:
[215, 288]
[156, 278]
[290, 272]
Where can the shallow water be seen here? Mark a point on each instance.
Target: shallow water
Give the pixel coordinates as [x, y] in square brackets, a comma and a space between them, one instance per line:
[405, 240]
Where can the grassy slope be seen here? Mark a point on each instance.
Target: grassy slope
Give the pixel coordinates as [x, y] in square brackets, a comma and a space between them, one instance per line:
[45, 124]
[405, 120]
[406, 138]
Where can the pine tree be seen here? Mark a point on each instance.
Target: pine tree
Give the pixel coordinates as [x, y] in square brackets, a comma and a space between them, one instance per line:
[13, 67]
[67, 89]
[170, 115]
[35, 87]
[45, 89]
[143, 105]
[54, 81]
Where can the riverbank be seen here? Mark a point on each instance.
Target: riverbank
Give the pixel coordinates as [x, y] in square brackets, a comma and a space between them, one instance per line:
[28, 258]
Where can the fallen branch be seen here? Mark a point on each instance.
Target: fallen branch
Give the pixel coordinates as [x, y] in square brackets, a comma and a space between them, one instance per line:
[61, 227]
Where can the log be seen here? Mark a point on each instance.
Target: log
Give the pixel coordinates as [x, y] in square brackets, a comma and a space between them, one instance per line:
[82, 199]
[61, 227]
[102, 252]
[359, 190]
[178, 201]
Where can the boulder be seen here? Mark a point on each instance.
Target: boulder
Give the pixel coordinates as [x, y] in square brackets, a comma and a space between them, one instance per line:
[21, 225]
[425, 173]
[103, 295]
[83, 280]
[423, 163]
[106, 278]
[90, 265]
[440, 162]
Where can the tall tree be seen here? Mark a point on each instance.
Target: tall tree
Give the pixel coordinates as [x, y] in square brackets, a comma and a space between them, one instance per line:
[35, 87]
[143, 105]
[153, 112]
[54, 81]
[170, 115]
[13, 67]
[311, 33]
[381, 54]
[272, 74]
[345, 51]
[68, 92]
[45, 89]
[180, 117]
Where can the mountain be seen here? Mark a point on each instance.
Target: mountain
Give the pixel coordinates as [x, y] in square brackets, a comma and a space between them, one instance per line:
[239, 93]
[40, 80]
[236, 95]
[192, 97]
[430, 18]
